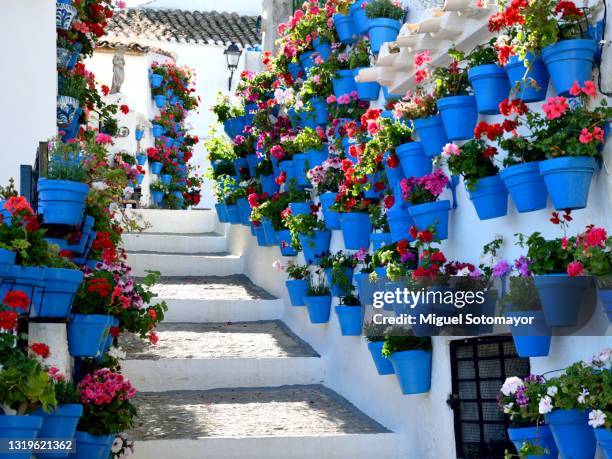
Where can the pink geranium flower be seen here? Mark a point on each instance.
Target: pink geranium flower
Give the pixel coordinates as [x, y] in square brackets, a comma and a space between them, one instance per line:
[585, 136]
[575, 268]
[555, 107]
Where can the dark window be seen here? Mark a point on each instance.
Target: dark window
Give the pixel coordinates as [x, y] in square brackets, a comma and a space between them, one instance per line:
[479, 368]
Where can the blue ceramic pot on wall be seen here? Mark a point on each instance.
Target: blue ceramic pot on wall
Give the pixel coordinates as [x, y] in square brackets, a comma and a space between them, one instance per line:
[491, 87]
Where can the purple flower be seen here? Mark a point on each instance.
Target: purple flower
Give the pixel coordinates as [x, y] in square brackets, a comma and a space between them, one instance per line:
[522, 265]
[501, 268]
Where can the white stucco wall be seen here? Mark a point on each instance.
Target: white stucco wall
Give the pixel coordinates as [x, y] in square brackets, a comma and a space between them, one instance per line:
[28, 81]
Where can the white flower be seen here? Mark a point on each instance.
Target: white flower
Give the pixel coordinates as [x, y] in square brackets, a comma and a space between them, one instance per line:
[464, 272]
[545, 406]
[117, 445]
[116, 353]
[583, 395]
[552, 391]
[508, 408]
[597, 418]
[511, 385]
[99, 185]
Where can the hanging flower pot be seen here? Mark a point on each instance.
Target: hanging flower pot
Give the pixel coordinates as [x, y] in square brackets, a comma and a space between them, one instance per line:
[300, 208]
[336, 290]
[322, 47]
[400, 221]
[432, 134]
[233, 214]
[19, 427]
[297, 289]
[561, 298]
[93, 447]
[158, 198]
[294, 117]
[320, 110]
[252, 161]
[65, 13]
[490, 197]
[344, 83]
[308, 119]
[239, 164]
[318, 308]
[244, 209]
[413, 370]
[268, 185]
[315, 246]
[299, 164]
[382, 30]
[59, 424]
[414, 161]
[365, 288]
[141, 159]
[531, 340]
[533, 84]
[158, 131]
[604, 440]
[156, 167]
[358, 13]
[540, 436]
[569, 61]
[316, 157]
[269, 231]
[138, 134]
[166, 179]
[605, 296]
[261, 236]
[356, 230]
[7, 261]
[568, 180]
[160, 100]
[61, 201]
[350, 319]
[60, 287]
[85, 334]
[491, 87]
[383, 365]
[156, 80]
[459, 115]
[66, 109]
[526, 186]
[288, 167]
[107, 340]
[284, 242]
[371, 192]
[379, 240]
[306, 61]
[366, 91]
[573, 435]
[295, 70]
[432, 214]
[345, 28]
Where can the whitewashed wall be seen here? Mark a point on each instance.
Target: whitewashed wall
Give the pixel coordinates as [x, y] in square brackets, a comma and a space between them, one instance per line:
[28, 80]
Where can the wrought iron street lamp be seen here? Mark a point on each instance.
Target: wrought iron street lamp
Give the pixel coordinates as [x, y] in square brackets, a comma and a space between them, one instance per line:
[232, 55]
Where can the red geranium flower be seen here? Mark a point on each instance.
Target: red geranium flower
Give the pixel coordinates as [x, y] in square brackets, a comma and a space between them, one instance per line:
[40, 349]
[125, 109]
[17, 299]
[8, 320]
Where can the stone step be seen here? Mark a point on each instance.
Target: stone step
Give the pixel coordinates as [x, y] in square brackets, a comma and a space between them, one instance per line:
[206, 356]
[175, 243]
[216, 299]
[287, 422]
[178, 221]
[179, 264]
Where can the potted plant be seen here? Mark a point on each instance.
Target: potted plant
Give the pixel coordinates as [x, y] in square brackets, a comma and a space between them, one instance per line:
[158, 191]
[318, 300]
[423, 195]
[411, 360]
[313, 142]
[359, 59]
[519, 399]
[72, 91]
[350, 315]
[338, 268]
[358, 12]
[474, 161]
[325, 180]
[65, 14]
[381, 233]
[345, 26]
[297, 284]
[308, 233]
[375, 335]
[600, 417]
[384, 22]
[265, 171]
[343, 80]
[354, 210]
[365, 288]
[107, 411]
[67, 52]
[230, 115]
[313, 95]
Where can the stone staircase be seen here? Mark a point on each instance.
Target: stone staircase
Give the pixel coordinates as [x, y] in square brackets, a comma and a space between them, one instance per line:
[228, 379]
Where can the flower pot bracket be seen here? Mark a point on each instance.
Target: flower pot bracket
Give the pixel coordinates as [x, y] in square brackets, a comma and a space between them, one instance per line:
[36, 294]
[452, 185]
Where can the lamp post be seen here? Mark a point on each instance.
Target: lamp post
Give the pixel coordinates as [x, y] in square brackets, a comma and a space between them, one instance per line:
[232, 55]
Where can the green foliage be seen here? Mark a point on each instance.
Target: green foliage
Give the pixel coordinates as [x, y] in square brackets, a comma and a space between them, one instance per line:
[264, 168]
[219, 148]
[384, 9]
[303, 224]
[308, 139]
[546, 256]
[66, 162]
[474, 162]
[482, 55]
[224, 109]
[297, 272]
[379, 219]
[451, 80]
[394, 343]
[360, 54]
[317, 286]
[65, 392]
[374, 333]
[8, 191]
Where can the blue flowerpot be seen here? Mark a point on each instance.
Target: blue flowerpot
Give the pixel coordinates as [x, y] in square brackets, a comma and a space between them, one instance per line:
[604, 440]
[160, 101]
[541, 436]
[249, 112]
[568, 180]
[65, 13]
[297, 289]
[252, 161]
[158, 198]
[315, 246]
[331, 217]
[108, 339]
[61, 201]
[459, 115]
[350, 319]
[158, 131]
[85, 334]
[561, 298]
[284, 242]
[295, 70]
[19, 428]
[268, 185]
[233, 214]
[60, 287]
[344, 83]
[260, 234]
[366, 91]
[491, 87]
[139, 134]
[316, 157]
[318, 308]
[244, 209]
[358, 13]
[294, 117]
[526, 186]
[432, 214]
[156, 167]
[288, 167]
[413, 370]
[93, 447]
[379, 240]
[7, 261]
[156, 80]
[300, 208]
[574, 437]
[335, 289]
[269, 231]
[320, 110]
[166, 179]
[322, 47]
[299, 164]
[222, 214]
[414, 161]
[5, 214]
[532, 340]
[168, 142]
[531, 85]
[382, 30]
[432, 134]
[371, 192]
[569, 61]
[383, 364]
[400, 221]
[59, 424]
[345, 28]
[605, 296]
[356, 230]
[28, 279]
[306, 61]
[141, 159]
[490, 198]
[365, 288]
[239, 164]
